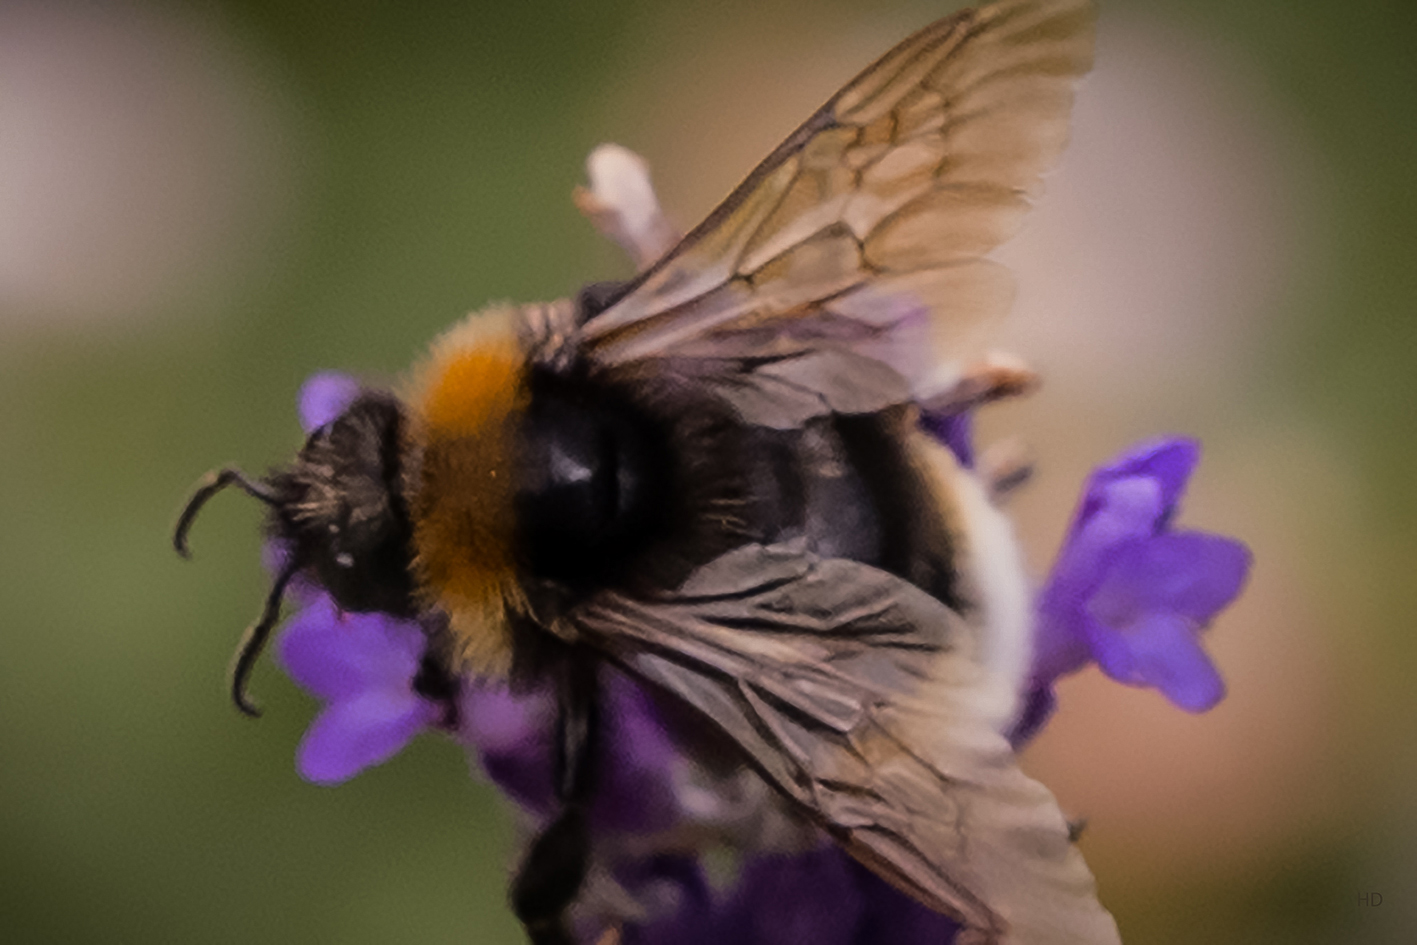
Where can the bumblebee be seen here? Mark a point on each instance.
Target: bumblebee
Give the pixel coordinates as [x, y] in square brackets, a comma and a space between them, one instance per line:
[714, 477]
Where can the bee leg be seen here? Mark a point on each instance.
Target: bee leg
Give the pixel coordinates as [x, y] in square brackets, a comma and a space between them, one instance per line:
[1004, 467]
[550, 878]
[555, 867]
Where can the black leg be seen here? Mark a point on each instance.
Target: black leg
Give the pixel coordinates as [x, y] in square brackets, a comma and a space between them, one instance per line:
[555, 867]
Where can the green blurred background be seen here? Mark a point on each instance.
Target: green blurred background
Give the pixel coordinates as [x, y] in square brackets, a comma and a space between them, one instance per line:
[200, 204]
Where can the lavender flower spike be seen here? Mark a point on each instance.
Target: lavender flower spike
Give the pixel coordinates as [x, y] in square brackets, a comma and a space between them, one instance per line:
[1130, 592]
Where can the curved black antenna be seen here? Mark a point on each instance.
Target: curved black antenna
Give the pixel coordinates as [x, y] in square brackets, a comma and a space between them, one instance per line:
[253, 641]
[210, 484]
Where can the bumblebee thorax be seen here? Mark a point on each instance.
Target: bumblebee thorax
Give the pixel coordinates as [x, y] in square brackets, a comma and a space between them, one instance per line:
[464, 404]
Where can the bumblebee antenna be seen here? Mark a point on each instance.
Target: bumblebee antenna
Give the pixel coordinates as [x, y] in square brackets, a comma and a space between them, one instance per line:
[210, 484]
[253, 641]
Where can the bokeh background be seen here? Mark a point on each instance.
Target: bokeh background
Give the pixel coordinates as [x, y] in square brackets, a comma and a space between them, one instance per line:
[202, 203]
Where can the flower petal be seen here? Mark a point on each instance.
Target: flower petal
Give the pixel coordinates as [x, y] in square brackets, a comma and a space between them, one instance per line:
[890, 916]
[1168, 461]
[1059, 645]
[355, 734]
[677, 900]
[622, 204]
[1187, 573]
[336, 655]
[1126, 502]
[955, 430]
[324, 397]
[638, 791]
[1161, 651]
[807, 897]
[513, 736]
[1115, 511]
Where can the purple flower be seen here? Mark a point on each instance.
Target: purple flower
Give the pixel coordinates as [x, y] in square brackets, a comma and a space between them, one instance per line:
[820, 897]
[513, 734]
[324, 396]
[645, 817]
[802, 899]
[890, 916]
[682, 905]
[955, 430]
[1130, 592]
[363, 666]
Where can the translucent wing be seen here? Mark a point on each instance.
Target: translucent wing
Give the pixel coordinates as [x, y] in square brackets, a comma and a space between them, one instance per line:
[865, 230]
[856, 694]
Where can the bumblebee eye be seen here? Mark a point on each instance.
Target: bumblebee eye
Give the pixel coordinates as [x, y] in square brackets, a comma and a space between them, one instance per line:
[580, 496]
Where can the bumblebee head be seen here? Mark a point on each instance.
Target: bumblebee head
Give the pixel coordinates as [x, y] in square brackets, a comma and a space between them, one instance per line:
[338, 511]
[340, 508]
[495, 489]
